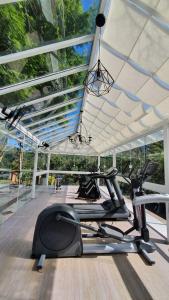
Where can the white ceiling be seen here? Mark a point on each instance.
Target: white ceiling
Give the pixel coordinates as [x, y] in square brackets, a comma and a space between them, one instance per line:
[135, 50]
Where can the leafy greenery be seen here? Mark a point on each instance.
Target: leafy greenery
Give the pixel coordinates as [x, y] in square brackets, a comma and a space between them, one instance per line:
[139, 155]
[29, 24]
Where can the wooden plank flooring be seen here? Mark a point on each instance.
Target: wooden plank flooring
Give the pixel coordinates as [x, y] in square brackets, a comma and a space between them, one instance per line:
[87, 278]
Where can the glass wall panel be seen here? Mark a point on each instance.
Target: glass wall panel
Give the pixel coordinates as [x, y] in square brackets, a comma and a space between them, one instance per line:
[16, 164]
[33, 23]
[44, 64]
[155, 152]
[42, 90]
[106, 163]
[137, 157]
[153, 149]
[119, 162]
[73, 163]
[42, 161]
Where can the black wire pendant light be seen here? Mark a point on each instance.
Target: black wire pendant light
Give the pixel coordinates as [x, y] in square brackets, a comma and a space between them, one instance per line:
[79, 139]
[98, 80]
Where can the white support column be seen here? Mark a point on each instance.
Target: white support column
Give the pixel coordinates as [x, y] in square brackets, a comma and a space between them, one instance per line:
[114, 158]
[166, 172]
[98, 168]
[34, 173]
[167, 218]
[48, 168]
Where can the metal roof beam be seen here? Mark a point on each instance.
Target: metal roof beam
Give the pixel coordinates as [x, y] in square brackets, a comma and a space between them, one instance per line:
[56, 129]
[53, 136]
[46, 49]
[53, 124]
[50, 108]
[39, 80]
[50, 118]
[9, 1]
[51, 96]
[22, 129]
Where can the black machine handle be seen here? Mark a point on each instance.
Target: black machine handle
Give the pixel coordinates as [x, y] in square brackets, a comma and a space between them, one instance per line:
[113, 172]
[148, 169]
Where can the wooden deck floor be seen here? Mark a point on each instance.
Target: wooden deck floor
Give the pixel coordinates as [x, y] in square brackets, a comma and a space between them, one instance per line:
[95, 277]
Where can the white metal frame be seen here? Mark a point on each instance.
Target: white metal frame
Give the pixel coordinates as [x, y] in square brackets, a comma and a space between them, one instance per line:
[34, 173]
[55, 135]
[45, 49]
[22, 129]
[50, 108]
[52, 124]
[50, 118]
[49, 97]
[48, 168]
[38, 80]
[56, 129]
[9, 1]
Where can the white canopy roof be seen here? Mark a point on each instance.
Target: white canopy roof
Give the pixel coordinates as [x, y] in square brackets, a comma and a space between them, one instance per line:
[135, 50]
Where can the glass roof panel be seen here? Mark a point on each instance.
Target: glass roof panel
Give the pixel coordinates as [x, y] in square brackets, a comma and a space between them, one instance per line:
[52, 113]
[44, 64]
[39, 129]
[53, 101]
[56, 134]
[42, 90]
[33, 23]
[58, 137]
[56, 129]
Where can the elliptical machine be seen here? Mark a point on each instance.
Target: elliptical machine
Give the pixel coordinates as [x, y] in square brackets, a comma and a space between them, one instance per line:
[58, 231]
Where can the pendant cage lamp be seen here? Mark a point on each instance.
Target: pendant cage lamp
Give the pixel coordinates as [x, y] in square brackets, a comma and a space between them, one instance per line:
[98, 80]
[81, 137]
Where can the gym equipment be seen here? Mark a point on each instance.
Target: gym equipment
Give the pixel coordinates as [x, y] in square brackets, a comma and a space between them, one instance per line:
[108, 210]
[57, 184]
[88, 187]
[58, 230]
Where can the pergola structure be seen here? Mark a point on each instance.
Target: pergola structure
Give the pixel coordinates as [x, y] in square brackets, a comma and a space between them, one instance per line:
[134, 48]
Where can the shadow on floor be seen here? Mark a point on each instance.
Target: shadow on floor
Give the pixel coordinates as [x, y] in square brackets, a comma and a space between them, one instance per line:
[18, 248]
[133, 283]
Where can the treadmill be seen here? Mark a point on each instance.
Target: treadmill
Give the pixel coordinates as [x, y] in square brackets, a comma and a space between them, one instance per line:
[109, 210]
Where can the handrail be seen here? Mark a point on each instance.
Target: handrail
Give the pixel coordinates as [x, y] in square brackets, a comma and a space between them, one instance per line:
[151, 198]
[155, 198]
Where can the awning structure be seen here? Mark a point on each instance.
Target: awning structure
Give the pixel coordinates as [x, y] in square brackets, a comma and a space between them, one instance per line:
[134, 48]
[42, 67]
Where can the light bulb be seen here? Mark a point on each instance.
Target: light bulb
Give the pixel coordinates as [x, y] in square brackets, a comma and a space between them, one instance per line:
[97, 81]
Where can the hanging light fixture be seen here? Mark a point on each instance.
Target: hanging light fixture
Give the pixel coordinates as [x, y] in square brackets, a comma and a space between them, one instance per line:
[98, 80]
[78, 139]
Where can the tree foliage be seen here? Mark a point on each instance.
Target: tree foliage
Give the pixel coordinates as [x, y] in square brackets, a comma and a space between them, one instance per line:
[27, 25]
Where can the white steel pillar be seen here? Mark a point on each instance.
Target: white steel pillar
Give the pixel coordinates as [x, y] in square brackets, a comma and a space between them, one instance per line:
[98, 169]
[166, 172]
[34, 173]
[48, 168]
[114, 158]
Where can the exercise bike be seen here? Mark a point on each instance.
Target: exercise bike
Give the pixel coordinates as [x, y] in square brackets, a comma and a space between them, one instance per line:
[58, 231]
